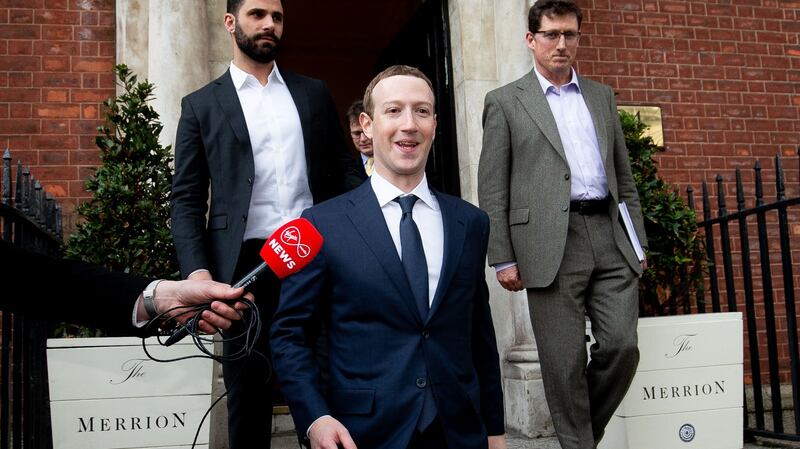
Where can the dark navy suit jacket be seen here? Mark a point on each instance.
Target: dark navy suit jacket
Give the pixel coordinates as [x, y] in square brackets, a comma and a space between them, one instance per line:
[379, 347]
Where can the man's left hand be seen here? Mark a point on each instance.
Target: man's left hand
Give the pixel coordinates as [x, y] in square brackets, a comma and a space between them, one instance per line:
[497, 442]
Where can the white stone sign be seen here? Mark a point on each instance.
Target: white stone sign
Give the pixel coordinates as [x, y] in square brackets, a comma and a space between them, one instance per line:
[688, 390]
[107, 393]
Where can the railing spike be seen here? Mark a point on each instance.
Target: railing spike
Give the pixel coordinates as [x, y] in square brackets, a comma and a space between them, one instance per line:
[739, 190]
[759, 185]
[5, 177]
[780, 184]
[723, 210]
[26, 190]
[18, 185]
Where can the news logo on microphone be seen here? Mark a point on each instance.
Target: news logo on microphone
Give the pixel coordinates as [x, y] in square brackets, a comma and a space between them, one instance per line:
[291, 247]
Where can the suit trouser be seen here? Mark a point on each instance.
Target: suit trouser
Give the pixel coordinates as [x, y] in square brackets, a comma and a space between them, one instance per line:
[249, 380]
[431, 438]
[593, 280]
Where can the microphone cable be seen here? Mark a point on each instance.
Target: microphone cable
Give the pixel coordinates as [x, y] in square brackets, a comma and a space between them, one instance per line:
[165, 324]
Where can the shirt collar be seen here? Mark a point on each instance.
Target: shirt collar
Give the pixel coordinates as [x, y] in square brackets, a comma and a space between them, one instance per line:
[547, 85]
[240, 77]
[387, 192]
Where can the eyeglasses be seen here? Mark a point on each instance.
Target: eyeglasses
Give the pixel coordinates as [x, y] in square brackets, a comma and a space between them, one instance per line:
[554, 35]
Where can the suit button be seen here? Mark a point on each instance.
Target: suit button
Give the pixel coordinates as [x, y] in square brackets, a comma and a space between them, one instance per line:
[565, 207]
[426, 335]
[244, 218]
[421, 382]
[566, 176]
[250, 181]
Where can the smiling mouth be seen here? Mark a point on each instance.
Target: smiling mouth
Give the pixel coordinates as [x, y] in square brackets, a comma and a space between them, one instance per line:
[407, 145]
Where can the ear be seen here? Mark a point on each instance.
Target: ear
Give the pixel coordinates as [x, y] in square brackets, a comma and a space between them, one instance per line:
[366, 124]
[529, 40]
[230, 23]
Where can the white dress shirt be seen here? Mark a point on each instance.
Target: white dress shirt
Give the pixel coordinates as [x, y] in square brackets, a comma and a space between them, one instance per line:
[280, 187]
[579, 138]
[428, 217]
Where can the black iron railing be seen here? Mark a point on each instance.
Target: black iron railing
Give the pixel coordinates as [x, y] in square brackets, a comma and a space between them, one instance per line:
[30, 219]
[759, 313]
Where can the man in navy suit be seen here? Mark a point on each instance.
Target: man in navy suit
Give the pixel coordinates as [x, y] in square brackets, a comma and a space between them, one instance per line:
[266, 144]
[400, 286]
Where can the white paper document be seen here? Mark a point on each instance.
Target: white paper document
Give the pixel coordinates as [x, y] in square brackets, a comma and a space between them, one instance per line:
[626, 219]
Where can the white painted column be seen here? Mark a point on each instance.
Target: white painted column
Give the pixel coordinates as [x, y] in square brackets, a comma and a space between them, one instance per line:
[132, 31]
[177, 57]
[488, 47]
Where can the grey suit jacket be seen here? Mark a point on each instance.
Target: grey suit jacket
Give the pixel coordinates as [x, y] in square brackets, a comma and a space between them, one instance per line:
[524, 177]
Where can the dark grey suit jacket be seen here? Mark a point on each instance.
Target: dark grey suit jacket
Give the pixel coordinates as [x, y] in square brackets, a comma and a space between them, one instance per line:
[524, 177]
[213, 148]
[68, 290]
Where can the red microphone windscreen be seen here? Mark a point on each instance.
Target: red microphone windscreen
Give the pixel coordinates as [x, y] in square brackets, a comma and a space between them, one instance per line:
[291, 247]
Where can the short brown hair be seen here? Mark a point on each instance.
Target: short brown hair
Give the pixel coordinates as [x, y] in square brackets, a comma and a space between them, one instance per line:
[395, 70]
[354, 111]
[551, 8]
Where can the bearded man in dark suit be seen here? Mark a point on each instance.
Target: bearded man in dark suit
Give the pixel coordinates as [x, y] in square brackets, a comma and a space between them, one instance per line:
[268, 144]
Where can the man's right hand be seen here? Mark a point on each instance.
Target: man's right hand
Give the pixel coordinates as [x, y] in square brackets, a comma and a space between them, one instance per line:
[327, 432]
[509, 278]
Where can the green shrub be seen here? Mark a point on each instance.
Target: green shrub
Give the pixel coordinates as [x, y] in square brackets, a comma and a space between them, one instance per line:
[125, 224]
[675, 255]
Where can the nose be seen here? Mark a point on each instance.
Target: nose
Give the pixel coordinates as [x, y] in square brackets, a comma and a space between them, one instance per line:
[409, 122]
[561, 42]
[268, 23]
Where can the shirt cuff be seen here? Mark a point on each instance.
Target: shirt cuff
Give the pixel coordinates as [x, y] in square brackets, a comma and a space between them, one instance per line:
[503, 266]
[135, 317]
[197, 271]
[308, 431]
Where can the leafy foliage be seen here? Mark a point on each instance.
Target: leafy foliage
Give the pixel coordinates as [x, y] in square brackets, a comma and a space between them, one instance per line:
[125, 225]
[675, 255]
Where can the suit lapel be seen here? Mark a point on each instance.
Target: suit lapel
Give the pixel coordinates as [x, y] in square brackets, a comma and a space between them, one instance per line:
[533, 100]
[593, 100]
[228, 99]
[301, 102]
[454, 233]
[368, 221]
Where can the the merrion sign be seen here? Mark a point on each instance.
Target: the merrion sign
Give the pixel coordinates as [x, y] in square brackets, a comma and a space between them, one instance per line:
[106, 392]
[687, 392]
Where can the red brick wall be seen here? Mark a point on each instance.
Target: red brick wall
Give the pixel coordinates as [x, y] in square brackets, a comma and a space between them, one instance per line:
[726, 75]
[56, 60]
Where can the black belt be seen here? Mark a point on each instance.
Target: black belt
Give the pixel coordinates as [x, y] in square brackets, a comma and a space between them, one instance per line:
[589, 207]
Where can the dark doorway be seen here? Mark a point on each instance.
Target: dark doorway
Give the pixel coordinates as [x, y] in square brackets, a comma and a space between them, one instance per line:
[347, 42]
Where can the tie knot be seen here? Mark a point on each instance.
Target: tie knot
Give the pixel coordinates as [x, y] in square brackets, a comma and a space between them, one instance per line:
[406, 202]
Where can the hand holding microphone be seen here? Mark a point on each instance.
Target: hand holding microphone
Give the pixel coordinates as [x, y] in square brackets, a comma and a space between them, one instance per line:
[288, 250]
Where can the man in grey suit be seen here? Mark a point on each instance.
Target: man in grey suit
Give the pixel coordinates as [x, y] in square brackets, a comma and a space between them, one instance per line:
[552, 172]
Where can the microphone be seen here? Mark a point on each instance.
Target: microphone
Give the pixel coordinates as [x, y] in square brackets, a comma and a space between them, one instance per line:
[288, 250]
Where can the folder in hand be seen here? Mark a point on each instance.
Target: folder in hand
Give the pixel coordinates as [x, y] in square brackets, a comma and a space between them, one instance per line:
[626, 219]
